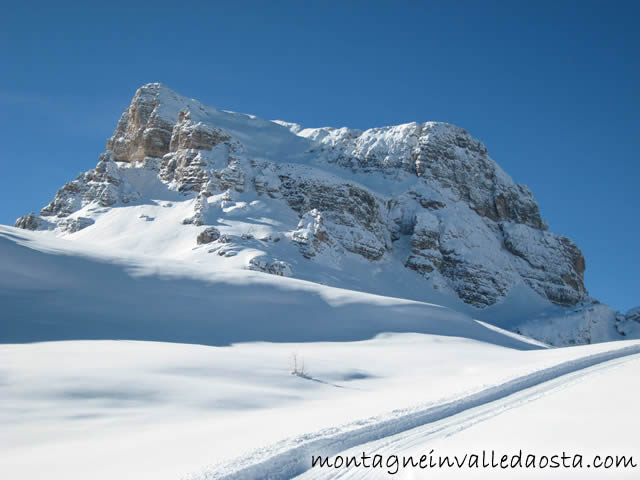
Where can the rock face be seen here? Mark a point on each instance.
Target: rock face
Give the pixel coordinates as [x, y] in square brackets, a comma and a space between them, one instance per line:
[551, 264]
[443, 155]
[337, 215]
[142, 131]
[29, 222]
[424, 195]
[72, 225]
[102, 185]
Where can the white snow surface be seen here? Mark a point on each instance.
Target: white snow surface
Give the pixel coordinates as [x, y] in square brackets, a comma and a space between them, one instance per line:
[583, 414]
[90, 386]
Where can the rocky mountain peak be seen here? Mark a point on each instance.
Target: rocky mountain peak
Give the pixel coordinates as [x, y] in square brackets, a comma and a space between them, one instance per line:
[425, 199]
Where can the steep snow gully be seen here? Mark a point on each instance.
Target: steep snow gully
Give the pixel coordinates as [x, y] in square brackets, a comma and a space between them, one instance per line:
[292, 457]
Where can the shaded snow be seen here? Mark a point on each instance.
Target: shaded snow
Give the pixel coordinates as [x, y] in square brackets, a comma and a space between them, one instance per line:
[93, 294]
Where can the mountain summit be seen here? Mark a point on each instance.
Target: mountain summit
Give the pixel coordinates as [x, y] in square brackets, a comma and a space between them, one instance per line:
[417, 210]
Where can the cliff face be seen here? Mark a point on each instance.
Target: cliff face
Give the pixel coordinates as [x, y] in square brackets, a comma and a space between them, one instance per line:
[426, 196]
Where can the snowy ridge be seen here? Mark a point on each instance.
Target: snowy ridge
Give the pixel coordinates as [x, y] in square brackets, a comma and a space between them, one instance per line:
[292, 457]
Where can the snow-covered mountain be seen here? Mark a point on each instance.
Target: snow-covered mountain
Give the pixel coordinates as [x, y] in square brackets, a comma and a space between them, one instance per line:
[149, 310]
[417, 211]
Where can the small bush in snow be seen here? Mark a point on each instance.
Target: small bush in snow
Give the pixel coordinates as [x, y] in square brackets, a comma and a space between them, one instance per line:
[297, 366]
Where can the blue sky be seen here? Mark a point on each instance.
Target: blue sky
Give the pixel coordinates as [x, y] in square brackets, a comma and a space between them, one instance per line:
[550, 87]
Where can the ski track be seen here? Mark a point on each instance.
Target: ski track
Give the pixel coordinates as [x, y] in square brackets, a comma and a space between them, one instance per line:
[456, 424]
[292, 457]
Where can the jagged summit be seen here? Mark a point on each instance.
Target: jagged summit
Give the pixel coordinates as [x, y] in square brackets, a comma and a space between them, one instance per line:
[417, 210]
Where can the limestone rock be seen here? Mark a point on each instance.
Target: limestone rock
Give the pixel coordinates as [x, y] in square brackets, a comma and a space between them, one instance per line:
[337, 214]
[198, 136]
[208, 235]
[552, 265]
[102, 185]
[29, 222]
[73, 225]
[272, 266]
[142, 131]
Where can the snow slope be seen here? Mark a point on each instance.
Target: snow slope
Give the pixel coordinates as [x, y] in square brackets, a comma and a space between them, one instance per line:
[585, 413]
[89, 294]
[93, 403]
[289, 459]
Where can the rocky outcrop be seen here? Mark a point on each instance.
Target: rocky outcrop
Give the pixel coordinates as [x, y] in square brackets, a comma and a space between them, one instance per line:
[337, 215]
[65, 224]
[465, 254]
[633, 315]
[208, 235]
[198, 136]
[102, 185]
[29, 222]
[142, 130]
[73, 225]
[628, 325]
[425, 256]
[272, 266]
[438, 153]
[191, 163]
[552, 265]
[424, 195]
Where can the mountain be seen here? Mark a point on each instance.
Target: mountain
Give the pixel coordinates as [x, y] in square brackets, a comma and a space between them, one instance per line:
[418, 211]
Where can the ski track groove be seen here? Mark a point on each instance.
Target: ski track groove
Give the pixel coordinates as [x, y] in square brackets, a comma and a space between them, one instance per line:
[292, 457]
[451, 426]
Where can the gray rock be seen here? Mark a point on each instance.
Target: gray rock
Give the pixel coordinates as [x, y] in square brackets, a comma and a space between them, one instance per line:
[28, 222]
[208, 235]
[102, 185]
[141, 132]
[272, 266]
[198, 136]
[552, 265]
[72, 225]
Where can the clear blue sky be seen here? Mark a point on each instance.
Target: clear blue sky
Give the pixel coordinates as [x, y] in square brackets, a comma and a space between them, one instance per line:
[552, 88]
